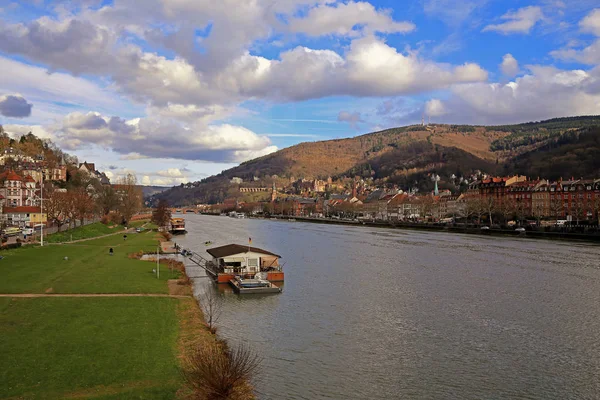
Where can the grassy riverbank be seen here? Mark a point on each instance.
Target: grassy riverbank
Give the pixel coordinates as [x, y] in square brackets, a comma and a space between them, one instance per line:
[90, 231]
[92, 347]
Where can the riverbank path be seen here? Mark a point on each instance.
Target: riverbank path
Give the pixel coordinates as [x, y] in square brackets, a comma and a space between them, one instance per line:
[32, 295]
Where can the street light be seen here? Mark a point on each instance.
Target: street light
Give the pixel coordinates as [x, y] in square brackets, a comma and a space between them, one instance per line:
[41, 158]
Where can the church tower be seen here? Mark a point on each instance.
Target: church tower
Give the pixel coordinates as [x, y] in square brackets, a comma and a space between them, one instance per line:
[273, 193]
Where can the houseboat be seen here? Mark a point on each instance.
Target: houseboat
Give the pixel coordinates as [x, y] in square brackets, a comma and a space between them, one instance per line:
[177, 226]
[246, 262]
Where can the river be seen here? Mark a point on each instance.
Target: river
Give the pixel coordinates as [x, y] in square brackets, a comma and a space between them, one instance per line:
[373, 313]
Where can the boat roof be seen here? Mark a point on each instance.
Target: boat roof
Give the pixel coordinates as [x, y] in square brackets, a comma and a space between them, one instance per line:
[232, 249]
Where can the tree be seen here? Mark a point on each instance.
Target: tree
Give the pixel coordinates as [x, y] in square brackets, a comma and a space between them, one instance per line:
[488, 205]
[53, 206]
[130, 196]
[212, 306]
[161, 214]
[596, 207]
[556, 206]
[106, 199]
[83, 205]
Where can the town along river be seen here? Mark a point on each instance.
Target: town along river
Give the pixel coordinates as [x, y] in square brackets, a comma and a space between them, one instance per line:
[371, 313]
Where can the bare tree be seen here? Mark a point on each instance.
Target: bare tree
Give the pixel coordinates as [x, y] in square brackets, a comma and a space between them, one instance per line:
[556, 206]
[212, 306]
[579, 209]
[53, 206]
[106, 199]
[488, 205]
[83, 205]
[161, 214]
[218, 373]
[130, 197]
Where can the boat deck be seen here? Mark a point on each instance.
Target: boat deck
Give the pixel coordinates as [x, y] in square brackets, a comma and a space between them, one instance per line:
[253, 290]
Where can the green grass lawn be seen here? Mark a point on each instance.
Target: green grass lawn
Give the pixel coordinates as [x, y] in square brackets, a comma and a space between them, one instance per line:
[89, 231]
[83, 232]
[89, 268]
[88, 348]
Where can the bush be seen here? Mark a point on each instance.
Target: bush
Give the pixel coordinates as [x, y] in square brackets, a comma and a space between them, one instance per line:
[214, 371]
[11, 246]
[166, 235]
[105, 219]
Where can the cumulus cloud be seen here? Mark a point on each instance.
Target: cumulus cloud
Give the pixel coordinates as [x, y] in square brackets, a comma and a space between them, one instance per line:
[543, 93]
[591, 22]
[14, 105]
[509, 65]
[352, 118]
[370, 68]
[519, 21]
[435, 108]
[348, 19]
[16, 131]
[159, 137]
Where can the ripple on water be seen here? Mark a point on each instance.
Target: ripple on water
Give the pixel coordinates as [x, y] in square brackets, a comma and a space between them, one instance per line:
[372, 313]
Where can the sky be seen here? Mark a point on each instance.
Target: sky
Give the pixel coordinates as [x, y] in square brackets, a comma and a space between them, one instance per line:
[177, 90]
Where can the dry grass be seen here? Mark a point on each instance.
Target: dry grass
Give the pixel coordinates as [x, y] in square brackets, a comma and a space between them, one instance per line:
[217, 372]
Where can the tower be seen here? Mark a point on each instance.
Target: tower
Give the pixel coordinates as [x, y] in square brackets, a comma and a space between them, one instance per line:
[273, 193]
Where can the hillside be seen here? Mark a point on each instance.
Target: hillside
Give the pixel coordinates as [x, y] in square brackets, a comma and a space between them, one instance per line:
[406, 156]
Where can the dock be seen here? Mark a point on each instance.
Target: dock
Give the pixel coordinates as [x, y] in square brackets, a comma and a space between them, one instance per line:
[253, 290]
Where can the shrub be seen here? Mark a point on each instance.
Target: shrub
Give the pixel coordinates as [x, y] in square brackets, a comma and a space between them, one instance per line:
[166, 235]
[214, 371]
[11, 246]
[105, 219]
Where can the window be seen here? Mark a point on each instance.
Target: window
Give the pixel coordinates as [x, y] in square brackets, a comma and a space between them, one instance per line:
[253, 262]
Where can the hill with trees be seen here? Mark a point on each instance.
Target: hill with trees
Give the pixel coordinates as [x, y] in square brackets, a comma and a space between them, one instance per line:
[407, 156]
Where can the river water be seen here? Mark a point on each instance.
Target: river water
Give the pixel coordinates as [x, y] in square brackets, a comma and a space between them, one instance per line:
[372, 313]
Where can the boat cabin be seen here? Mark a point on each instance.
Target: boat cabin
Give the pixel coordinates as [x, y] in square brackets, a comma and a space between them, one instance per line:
[235, 259]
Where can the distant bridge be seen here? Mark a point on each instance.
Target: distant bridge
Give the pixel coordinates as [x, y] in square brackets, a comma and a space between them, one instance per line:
[184, 211]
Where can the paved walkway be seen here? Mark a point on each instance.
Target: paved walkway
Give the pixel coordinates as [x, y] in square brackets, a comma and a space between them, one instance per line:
[30, 295]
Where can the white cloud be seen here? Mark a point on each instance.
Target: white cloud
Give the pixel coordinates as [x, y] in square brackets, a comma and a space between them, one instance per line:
[370, 68]
[519, 21]
[171, 173]
[38, 86]
[435, 108]
[452, 12]
[347, 19]
[589, 55]
[352, 118]
[509, 66]
[161, 137]
[14, 105]
[16, 131]
[543, 93]
[591, 22]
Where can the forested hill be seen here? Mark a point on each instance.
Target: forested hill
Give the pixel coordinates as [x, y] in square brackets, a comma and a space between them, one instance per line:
[407, 156]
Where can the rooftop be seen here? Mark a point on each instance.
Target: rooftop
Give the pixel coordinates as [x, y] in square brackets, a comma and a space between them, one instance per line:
[232, 249]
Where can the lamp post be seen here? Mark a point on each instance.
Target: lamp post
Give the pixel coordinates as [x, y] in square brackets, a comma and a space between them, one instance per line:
[40, 158]
[42, 211]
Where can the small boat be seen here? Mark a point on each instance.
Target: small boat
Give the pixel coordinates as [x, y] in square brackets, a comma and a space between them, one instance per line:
[291, 220]
[256, 286]
[177, 226]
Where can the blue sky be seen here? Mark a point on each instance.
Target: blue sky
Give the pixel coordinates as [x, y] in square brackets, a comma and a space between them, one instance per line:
[181, 89]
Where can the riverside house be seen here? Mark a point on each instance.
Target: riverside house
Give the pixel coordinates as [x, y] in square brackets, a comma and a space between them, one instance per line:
[235, 259]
